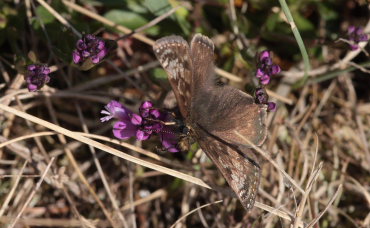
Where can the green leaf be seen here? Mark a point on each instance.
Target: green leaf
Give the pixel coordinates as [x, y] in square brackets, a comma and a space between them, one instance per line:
[272, 21]
[157, 7]
[136, 6]
[3, 20]
[182, 18]
[302, 23]
[126, 18]
[130, 20]
[159, 74]
[44, 15]
[327, 12]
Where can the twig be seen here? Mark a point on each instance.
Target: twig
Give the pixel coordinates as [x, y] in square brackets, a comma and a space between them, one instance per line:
[106, 80]
[361, 68]
[59, 17]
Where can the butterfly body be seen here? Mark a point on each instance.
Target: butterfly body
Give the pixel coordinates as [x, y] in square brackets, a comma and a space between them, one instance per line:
[213, 113]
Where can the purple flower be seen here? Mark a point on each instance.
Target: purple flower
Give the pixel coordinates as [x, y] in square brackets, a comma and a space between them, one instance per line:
[262, 98]
[37, 76]
[265, 67]
[149, 121]
[114, 109]
[89, 47]
[356, 35]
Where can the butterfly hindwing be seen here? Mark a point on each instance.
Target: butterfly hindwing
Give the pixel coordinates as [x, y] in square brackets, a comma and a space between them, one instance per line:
[237, 165]
[173, 53]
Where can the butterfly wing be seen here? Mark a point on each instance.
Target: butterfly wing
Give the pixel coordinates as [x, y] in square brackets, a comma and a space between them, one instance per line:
[242, 173]
[224, 110]
[240, 114]
[202, 54]
[173, 53]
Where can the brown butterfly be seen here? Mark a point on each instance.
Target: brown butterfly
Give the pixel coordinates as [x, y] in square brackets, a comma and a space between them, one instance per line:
[213, 113]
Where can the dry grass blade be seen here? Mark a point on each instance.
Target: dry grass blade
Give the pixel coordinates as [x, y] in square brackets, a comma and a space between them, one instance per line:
[11, 193]
[32, 193]
[300, 209]
[52, 222]
[278, 212]
[313, 222]
[160, 193]
[134, 148]
[192, 211]
[38, 134]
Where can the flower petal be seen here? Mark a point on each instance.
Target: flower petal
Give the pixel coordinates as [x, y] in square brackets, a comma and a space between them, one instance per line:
[124, 130]
[271, 106]
[264, 55]
[76, 57]
[170, 142]
[95, 59]
[32, 87]
[265, 80]
[142, 135]
[136, 119]
[275, 69]
[259, 73]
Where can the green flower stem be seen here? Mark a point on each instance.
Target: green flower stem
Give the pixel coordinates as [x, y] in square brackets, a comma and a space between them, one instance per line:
[336, 73]
[298, 37]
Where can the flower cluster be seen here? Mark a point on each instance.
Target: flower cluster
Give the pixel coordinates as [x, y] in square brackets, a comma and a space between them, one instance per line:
[265, 69]
[149, 121]
[262, 98]
[356, 35]
[89, 47]
[37, 76]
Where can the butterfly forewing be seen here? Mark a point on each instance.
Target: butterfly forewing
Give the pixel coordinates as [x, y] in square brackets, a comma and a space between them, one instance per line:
[202, 54]
[173, 53]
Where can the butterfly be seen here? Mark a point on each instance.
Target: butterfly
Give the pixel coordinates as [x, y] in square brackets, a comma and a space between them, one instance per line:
[213, 113]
